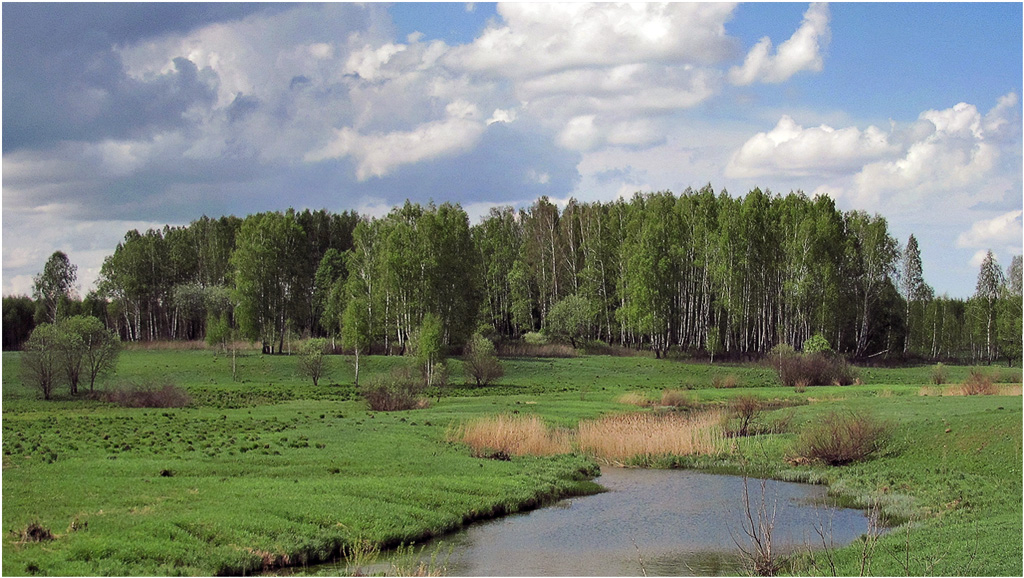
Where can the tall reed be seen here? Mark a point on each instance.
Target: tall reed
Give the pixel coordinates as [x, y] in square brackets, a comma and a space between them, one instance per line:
[624, 437]
[511, 435]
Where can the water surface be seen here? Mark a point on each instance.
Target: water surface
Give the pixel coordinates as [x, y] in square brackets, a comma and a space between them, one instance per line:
[658, 522]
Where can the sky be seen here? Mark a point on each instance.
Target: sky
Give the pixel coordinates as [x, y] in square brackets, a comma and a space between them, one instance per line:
[136, 115]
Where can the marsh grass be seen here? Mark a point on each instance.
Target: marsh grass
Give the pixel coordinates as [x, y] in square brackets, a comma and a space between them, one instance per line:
[622, 438]
[507, 435]
[725, 381]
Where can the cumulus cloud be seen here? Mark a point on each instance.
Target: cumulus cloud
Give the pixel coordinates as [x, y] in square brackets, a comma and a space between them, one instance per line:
[958, 149]
[803, 51]
[379, 154]
[541, 38]
[790, 149]
[586, 71]
[1003, 230]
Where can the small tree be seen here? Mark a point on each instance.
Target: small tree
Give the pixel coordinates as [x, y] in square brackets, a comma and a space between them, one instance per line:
[569, 319]
[313, 361]
[71, 349]
[481, 363]
[429, 347]
[355, 329]
[98, 352]
[53, 286]
[41, 358]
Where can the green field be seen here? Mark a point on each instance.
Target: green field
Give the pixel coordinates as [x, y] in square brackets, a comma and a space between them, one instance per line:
[271, 470]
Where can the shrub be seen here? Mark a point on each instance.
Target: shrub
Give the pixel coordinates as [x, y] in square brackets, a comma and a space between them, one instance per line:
[535, 338]
[978, 383]
[394, 391]
[313, 362]
[842, 438]
[678, 399]
[746, 408]
[137, 394]
[814, 369]
[939, 374]
[480, 362]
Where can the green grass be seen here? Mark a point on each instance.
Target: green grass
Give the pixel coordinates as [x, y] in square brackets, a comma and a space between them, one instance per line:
[269, 468]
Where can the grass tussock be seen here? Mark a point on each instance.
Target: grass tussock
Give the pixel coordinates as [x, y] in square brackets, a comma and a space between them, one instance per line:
[939, 375]
[139, 394]
[505, 435]
[729, 381]
[626, 437]
[838, 439]
[34, 532]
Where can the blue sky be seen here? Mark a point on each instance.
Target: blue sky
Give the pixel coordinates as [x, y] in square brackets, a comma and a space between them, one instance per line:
[120, 116]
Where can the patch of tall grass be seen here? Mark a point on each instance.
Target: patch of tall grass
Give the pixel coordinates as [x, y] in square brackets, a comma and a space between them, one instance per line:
[623, 438]
[507, 435]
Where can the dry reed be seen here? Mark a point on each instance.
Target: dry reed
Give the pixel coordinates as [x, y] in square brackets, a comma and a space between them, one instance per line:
[511, 435]
[636, 398]
[620, 438]
[960, 390]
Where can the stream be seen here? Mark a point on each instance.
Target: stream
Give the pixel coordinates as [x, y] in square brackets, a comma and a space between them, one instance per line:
[653, 522]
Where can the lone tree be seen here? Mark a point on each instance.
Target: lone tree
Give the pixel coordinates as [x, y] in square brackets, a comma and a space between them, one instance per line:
[481, 363]
[53, 286]
[41, 359]
[355, 328]
[313, 362]
[429, 346]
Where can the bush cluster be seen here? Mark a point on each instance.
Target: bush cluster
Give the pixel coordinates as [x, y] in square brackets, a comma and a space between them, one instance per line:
[842, 438]
[395, 391]
[803, 369]
[136, 394]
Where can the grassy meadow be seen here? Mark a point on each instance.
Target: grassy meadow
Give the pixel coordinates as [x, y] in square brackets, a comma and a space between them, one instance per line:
[270, 471]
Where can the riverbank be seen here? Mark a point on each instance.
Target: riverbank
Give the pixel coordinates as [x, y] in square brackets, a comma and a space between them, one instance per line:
[271, 470]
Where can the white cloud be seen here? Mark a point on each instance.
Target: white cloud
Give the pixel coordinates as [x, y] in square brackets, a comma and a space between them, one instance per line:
[803, 51]
[379, 154]
[542, 38]
[957, 154]
[790, 149]
[1003, 230]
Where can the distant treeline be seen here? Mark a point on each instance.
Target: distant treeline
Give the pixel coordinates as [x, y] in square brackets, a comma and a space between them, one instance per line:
[698, 272]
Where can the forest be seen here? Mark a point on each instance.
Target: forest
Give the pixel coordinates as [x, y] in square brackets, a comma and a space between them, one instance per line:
[694, 274]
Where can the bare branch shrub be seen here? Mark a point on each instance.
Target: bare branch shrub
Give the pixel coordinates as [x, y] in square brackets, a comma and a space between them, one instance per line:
[978, 383]
[152, 394]
[842, 438]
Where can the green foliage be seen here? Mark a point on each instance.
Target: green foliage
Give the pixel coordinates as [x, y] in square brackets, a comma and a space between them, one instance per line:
[247, 468]
[313, 361]
[480, 362]
[816, 344]
[98, 349]
[570, 319]
[18, 321]
[53, 286]
[42, 360]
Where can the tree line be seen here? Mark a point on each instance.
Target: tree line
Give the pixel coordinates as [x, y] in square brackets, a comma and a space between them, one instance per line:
[701, 272]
